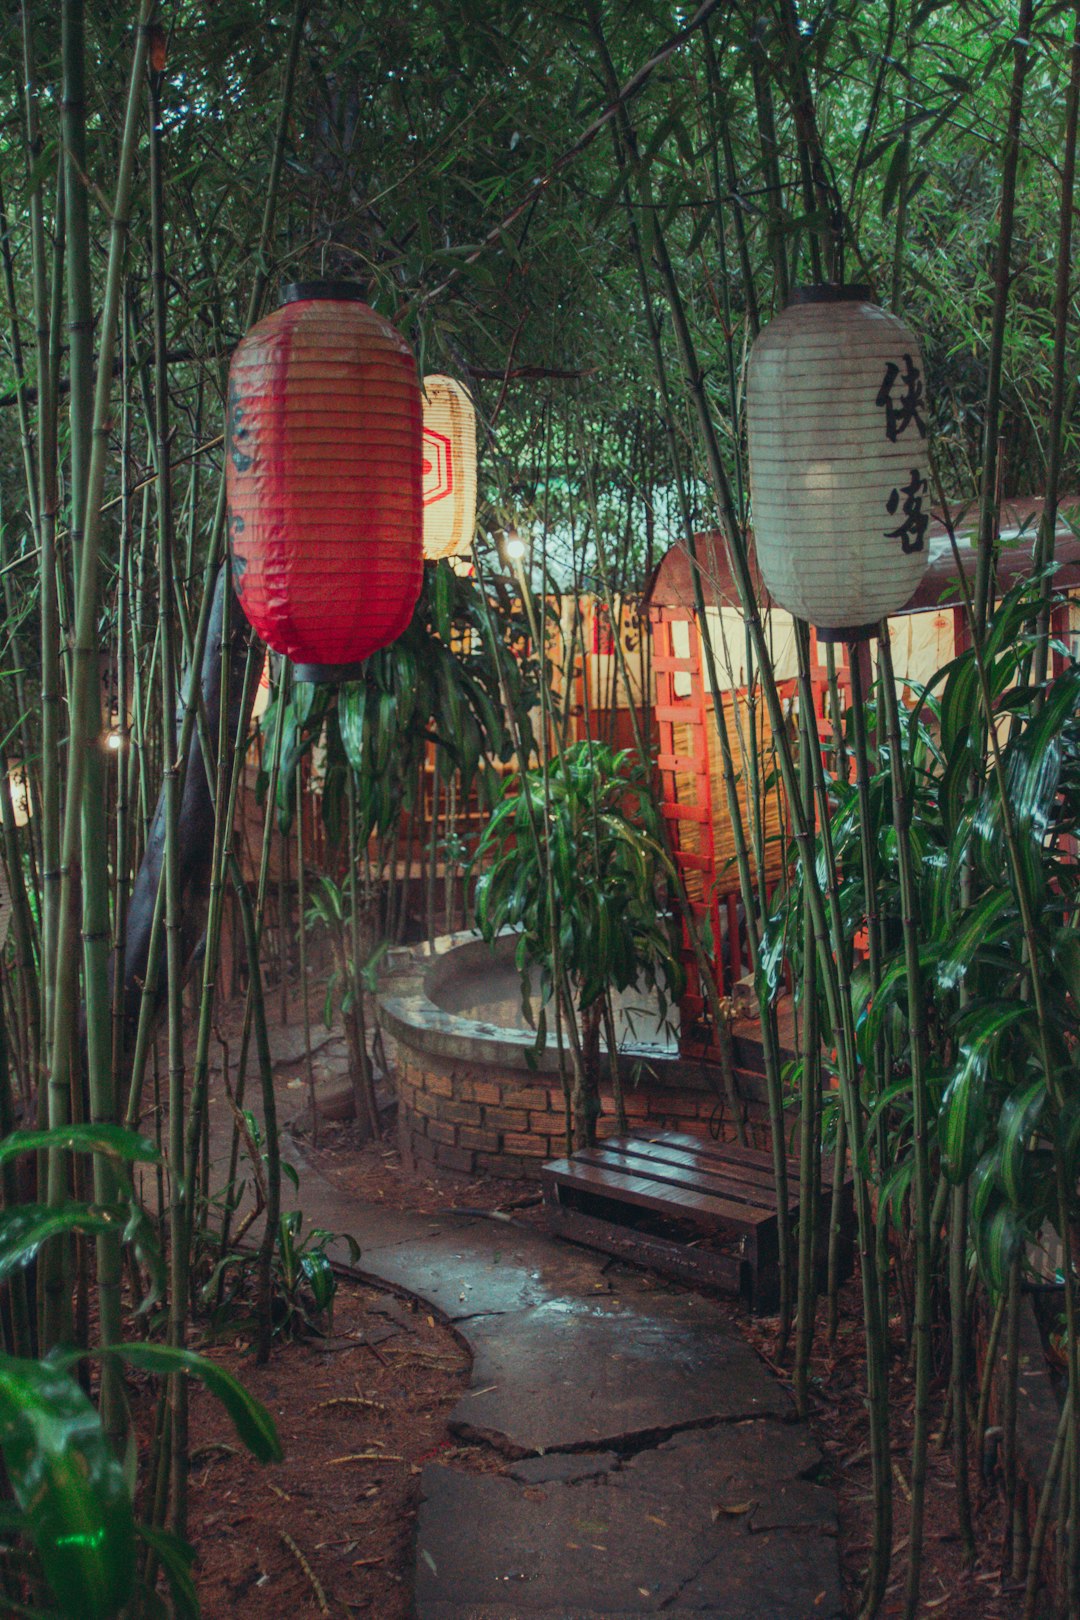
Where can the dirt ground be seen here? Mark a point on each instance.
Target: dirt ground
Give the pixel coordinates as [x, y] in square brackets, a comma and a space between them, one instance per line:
[838, 1419]
[329, 1529]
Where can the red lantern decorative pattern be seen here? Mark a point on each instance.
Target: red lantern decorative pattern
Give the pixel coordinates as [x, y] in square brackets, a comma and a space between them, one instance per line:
[324, 480]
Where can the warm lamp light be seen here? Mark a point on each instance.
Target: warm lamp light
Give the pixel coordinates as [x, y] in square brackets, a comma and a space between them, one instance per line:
[262, 691]
[839, 475]
[449, 469]
[515, 549]
[19, 789]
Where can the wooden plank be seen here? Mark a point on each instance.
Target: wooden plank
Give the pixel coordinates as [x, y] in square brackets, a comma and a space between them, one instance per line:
[754, 1177]
[671, 661]
[679, 762]
[720, 1150]
[695, 1266]
[710, 1176]
[754, 1205]
[724, 1159]
[645, 1194]
[684, 812]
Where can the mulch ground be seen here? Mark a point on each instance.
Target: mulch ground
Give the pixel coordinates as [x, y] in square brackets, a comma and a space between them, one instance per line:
[329, 1529]
[838, 1419]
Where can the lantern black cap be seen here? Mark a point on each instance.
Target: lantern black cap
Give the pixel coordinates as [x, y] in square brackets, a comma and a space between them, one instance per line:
[327, 674]
[351, 292]
[831, 292]
[854, 632]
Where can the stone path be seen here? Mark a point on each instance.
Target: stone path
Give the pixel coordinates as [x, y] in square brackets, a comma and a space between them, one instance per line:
[654, 1465]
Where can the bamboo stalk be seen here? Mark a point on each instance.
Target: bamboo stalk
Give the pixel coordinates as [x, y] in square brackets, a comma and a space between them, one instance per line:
[363, 1079]
[958, 1374]
[809, 1126]
[921, 1124]
[229, 771]
[174, 962]
[301, 903]
[89, 451]
[1010, 157]
[1044, 551]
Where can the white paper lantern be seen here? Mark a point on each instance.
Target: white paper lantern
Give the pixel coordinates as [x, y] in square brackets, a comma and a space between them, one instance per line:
[449, 469]
[836, 423]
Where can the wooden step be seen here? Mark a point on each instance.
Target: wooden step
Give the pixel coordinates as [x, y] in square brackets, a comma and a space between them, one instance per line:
[604, 1197]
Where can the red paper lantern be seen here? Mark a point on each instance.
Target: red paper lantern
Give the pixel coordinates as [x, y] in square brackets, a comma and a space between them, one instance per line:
[324, 479]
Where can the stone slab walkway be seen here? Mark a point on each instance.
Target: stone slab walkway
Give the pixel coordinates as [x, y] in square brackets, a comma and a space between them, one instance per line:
[653, 1465]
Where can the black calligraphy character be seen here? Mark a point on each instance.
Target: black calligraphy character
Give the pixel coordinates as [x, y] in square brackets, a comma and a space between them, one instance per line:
[237, 432]
[912, 532]
[898, 417]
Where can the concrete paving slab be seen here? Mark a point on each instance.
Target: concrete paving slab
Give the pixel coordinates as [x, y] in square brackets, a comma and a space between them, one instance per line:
[625, 1544]
[563, 1467]
[583, 1374]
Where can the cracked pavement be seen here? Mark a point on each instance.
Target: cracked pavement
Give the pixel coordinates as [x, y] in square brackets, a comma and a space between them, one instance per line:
[649, 1463]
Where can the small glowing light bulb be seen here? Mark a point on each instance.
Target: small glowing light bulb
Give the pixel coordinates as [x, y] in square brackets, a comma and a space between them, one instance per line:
[114, 740]
[515, 548]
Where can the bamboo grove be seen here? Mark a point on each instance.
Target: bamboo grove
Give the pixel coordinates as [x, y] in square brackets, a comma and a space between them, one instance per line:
[587, 214]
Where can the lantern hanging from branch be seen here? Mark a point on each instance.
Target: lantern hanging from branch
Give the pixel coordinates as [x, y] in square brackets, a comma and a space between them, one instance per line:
[449, 469]
[323, 475]
[839, 477]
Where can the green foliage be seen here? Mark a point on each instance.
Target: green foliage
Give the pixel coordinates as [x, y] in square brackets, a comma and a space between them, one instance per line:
[72, 1497]
[440, 682]
[327, 910]
[996, 1122]
[69, 1487]
[575, 850]
[302, 1278]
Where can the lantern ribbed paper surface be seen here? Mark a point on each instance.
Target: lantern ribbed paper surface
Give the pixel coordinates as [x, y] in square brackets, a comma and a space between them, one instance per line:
[836, 423]
[323, 475]
[449, 469]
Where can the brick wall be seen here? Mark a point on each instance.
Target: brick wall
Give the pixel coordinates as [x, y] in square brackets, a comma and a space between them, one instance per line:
[476, 1120]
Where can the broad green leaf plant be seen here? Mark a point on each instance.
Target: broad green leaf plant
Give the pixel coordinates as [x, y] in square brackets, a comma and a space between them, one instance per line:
[573, 859]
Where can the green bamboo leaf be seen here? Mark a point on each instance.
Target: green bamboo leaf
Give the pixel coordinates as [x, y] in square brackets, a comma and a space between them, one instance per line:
[962, 1121]
[990, 919]
[319, 1276]
[351, 706]
[444, 585]
[1020, 1118]
[302, 699]
[893, 177]
[251, 1420]
[70, 1485]
[112, 1140]
[25, 1227]
[959, 702]
[176, 1557]
[998, 1240]
[894, 1189]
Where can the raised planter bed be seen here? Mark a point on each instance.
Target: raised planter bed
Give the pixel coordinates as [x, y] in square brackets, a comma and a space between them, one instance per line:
[470, 1103]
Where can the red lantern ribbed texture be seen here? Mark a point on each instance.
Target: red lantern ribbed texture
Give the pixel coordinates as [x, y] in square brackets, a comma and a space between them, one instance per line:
[324, 477]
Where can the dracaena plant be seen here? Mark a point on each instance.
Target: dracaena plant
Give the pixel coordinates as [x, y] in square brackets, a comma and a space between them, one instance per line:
[997, 1117]
[442, 682]
[573, 859]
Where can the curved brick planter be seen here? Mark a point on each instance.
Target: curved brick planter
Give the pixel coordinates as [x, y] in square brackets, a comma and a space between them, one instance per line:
[468, 1101]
